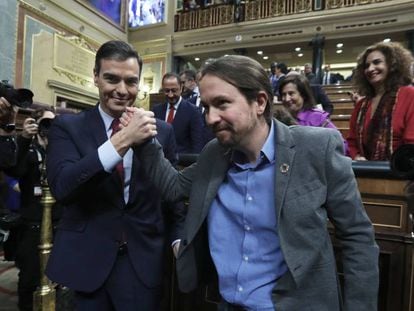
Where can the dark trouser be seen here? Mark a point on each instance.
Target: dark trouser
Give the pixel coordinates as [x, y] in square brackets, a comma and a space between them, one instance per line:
[28, 262]
[225, 306]
[122, 291]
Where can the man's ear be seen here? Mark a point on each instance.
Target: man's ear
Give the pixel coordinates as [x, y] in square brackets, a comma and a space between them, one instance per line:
[95, 77]
[262, 101]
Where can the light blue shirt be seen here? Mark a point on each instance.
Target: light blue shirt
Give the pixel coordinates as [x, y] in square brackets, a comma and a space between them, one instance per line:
[243, 234]
[109, 157]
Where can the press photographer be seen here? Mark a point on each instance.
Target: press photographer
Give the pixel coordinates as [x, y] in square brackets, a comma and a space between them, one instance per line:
[31, 154]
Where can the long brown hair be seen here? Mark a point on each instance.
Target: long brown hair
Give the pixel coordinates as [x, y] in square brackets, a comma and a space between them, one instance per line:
[398, 60]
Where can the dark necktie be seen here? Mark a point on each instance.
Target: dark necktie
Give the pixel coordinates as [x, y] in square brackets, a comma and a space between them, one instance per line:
[170, 116]
[115, 126]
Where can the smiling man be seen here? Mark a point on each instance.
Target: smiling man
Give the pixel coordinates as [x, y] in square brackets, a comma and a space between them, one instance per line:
[110, 241]
[260, 196]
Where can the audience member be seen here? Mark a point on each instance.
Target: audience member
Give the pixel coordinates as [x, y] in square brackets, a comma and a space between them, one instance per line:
[307, 69]
[109, 246]
[189, 87]
[260, 196]
[328, 76]
[321, 98]
[272, 77]
[383, 119]
[298, 99]
[185, 117]
[281, 71]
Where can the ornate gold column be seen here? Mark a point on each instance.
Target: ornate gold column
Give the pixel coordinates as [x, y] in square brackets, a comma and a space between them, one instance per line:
[45, 296]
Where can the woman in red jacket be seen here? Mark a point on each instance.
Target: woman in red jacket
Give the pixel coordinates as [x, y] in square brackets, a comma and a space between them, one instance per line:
[383, 119]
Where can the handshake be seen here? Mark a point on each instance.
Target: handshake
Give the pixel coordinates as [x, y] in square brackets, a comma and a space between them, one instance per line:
[137, 127]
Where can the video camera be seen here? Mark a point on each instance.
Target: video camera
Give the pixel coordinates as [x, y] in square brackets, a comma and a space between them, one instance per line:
[402, 161]
[16, 97]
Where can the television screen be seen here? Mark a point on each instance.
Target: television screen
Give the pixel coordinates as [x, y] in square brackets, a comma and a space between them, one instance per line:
[145, 12]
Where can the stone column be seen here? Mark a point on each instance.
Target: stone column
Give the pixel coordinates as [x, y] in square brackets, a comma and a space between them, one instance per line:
[317, 44]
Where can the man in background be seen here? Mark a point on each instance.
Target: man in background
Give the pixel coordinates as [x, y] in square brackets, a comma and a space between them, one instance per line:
[307, 70]
[189, 85]
[185, 117]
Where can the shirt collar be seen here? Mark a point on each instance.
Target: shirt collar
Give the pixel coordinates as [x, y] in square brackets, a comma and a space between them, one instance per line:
[176, 104]
[267, 153]
[106, 118]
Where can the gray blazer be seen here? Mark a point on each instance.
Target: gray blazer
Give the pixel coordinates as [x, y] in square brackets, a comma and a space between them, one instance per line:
[314, 182]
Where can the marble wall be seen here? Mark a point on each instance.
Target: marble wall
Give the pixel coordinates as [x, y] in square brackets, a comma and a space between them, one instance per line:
[8, 22]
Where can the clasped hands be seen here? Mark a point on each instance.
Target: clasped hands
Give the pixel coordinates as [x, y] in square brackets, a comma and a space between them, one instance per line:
[138, 125]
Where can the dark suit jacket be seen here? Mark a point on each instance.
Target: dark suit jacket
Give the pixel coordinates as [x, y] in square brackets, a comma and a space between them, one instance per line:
[188, 126]
[321, 98]
[8, 151]
[317, 185]
[30, 158]
[96, 218]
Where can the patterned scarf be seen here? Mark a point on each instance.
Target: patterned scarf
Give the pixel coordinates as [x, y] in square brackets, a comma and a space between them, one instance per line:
[375, 143]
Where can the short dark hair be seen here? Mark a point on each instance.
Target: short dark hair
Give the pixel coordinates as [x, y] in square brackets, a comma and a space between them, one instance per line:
[245, 74]
[40, 111]
[189, 74]
[282, 67]
[398, 60]
[117, 50]
[170, 75]
[304, 89]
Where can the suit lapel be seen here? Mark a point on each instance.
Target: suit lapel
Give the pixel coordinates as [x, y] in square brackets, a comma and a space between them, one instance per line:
[96, 126]
[218, 174]
[285, 154]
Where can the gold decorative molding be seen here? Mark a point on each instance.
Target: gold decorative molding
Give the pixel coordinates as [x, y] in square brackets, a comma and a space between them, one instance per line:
[74, 58]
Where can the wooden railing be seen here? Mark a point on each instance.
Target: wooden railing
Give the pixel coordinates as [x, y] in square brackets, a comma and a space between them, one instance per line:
[222, 14]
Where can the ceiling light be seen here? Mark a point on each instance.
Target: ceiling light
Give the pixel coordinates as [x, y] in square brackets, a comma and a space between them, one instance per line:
[297, 49]
[197, 59]
[387, 40]
[265, 57]
[260, 52]
[300, 54]
[338, 51]
[339, 45]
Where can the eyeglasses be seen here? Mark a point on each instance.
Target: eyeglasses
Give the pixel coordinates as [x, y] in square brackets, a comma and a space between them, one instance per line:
[167, 91]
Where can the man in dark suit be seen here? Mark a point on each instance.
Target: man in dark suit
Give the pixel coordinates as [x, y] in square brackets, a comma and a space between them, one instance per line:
[189, 86]
[185, 117]
[109, 244]
[328, 76]
[322, 98]
[260, 198]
